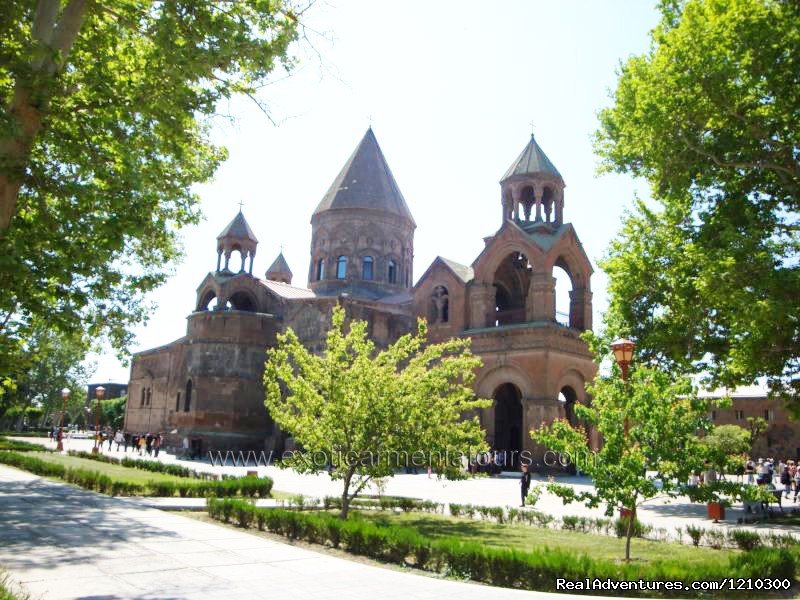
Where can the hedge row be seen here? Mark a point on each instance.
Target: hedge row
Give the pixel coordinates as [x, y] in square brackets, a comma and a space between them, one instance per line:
[385, 503]
[96, 481]
[537, 569]
[19, 446]
[145, 465]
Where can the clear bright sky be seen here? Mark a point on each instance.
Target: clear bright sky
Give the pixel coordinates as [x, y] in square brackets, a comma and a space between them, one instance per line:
[451, 88]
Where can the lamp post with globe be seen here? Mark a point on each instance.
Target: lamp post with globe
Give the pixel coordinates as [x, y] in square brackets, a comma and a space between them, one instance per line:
[100, 391]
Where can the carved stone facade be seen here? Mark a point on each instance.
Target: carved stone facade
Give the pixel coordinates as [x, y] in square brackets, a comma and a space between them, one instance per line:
[207, 385]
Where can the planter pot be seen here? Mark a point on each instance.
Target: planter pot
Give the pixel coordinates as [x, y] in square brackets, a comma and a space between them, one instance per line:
[716, 511]
[624, 513]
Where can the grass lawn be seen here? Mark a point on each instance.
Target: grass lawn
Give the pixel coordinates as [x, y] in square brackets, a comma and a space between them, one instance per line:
[114, 471]
[124, 473]
[524, 537]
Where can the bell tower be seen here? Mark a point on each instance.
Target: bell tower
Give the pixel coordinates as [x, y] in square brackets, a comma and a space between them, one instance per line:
[236, 237]
[533, 189]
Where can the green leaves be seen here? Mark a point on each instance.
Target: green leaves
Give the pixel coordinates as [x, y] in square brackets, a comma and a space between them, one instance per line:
[707, 281]
[366, 412]
[646, 424]
[98, 156]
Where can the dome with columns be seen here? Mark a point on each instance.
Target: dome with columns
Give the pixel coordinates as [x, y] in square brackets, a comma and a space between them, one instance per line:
[236, 237]
[533, 189]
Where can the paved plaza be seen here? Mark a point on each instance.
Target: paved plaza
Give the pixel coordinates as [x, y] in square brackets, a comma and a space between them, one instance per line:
[61, 542]
[664, 513]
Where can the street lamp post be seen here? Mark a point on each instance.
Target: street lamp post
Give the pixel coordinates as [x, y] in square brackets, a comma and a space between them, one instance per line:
[65, 397]
[99, 393]
[623, 354]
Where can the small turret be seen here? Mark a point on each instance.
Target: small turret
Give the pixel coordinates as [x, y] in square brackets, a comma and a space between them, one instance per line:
[532, 188]
[236, 237]
[280, 271]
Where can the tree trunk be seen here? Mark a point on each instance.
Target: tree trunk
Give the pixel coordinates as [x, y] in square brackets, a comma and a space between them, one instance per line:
[629, 533]
[57, 36]
[346, 496]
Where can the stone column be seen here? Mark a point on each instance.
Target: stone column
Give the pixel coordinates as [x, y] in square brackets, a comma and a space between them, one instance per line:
[541, 303]
[580, 309]
[538, 195]
[481, 304]
[559, 208]
[219, 259]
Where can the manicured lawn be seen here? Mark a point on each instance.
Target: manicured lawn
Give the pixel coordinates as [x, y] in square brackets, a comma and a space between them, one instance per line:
[524, 537]
[124, 473]
[114, 471]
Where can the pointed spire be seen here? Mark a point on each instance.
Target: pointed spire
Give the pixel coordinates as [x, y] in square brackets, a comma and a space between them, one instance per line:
[279, 270]
[238, 228]
[532, 160]
[366, 181]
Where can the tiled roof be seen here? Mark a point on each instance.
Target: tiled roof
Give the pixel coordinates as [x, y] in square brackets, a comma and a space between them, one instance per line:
[287, 291]
[463, 272]
[238, 228]
[532, 160]
[366, 181]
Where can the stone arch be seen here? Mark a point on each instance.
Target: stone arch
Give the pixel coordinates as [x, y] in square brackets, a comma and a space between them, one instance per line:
[508, 373]
[511, 281]
[206, 298]
[243, 300]
[487, 264]
[509, 424]
[580, 297]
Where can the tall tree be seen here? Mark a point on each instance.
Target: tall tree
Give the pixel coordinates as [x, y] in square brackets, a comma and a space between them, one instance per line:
[707, 278]
[104, 120]
[52, 362]
[363, 413]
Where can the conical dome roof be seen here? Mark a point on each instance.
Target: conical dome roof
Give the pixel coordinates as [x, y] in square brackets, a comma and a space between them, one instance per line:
[279, 265]
[366, 182]
[532, 160]
[238, 228]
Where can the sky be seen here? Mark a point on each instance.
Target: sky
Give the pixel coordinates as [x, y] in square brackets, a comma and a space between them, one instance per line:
[453, 90]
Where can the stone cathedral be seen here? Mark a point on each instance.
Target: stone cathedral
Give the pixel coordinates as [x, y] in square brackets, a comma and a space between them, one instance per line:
[207, 385]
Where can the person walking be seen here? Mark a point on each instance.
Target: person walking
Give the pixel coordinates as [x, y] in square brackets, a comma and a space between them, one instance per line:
[156, 444]
[119, 438]
[142, 444]
[786, 480]
[524, 483]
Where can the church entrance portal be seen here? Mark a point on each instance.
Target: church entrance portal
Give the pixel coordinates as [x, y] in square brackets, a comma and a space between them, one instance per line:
[508, 423]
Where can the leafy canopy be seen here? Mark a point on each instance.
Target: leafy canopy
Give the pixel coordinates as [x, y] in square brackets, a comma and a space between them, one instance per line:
[364, 413]
[105, 110]
[707, 279]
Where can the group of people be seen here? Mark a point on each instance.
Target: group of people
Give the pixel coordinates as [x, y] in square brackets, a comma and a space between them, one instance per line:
[143, 443]
[765, 471]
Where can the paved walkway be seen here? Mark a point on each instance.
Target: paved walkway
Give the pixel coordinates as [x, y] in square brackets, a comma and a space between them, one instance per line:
[663, 513]
[61, 542]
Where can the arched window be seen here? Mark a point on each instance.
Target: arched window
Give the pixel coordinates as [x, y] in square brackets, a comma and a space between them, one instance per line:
[440, 305]
[188, 400]
[341, 267]
[320, 269]
[149, 395]
[392, 272]
[178, 402]
[366, 268]
[144, 392]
